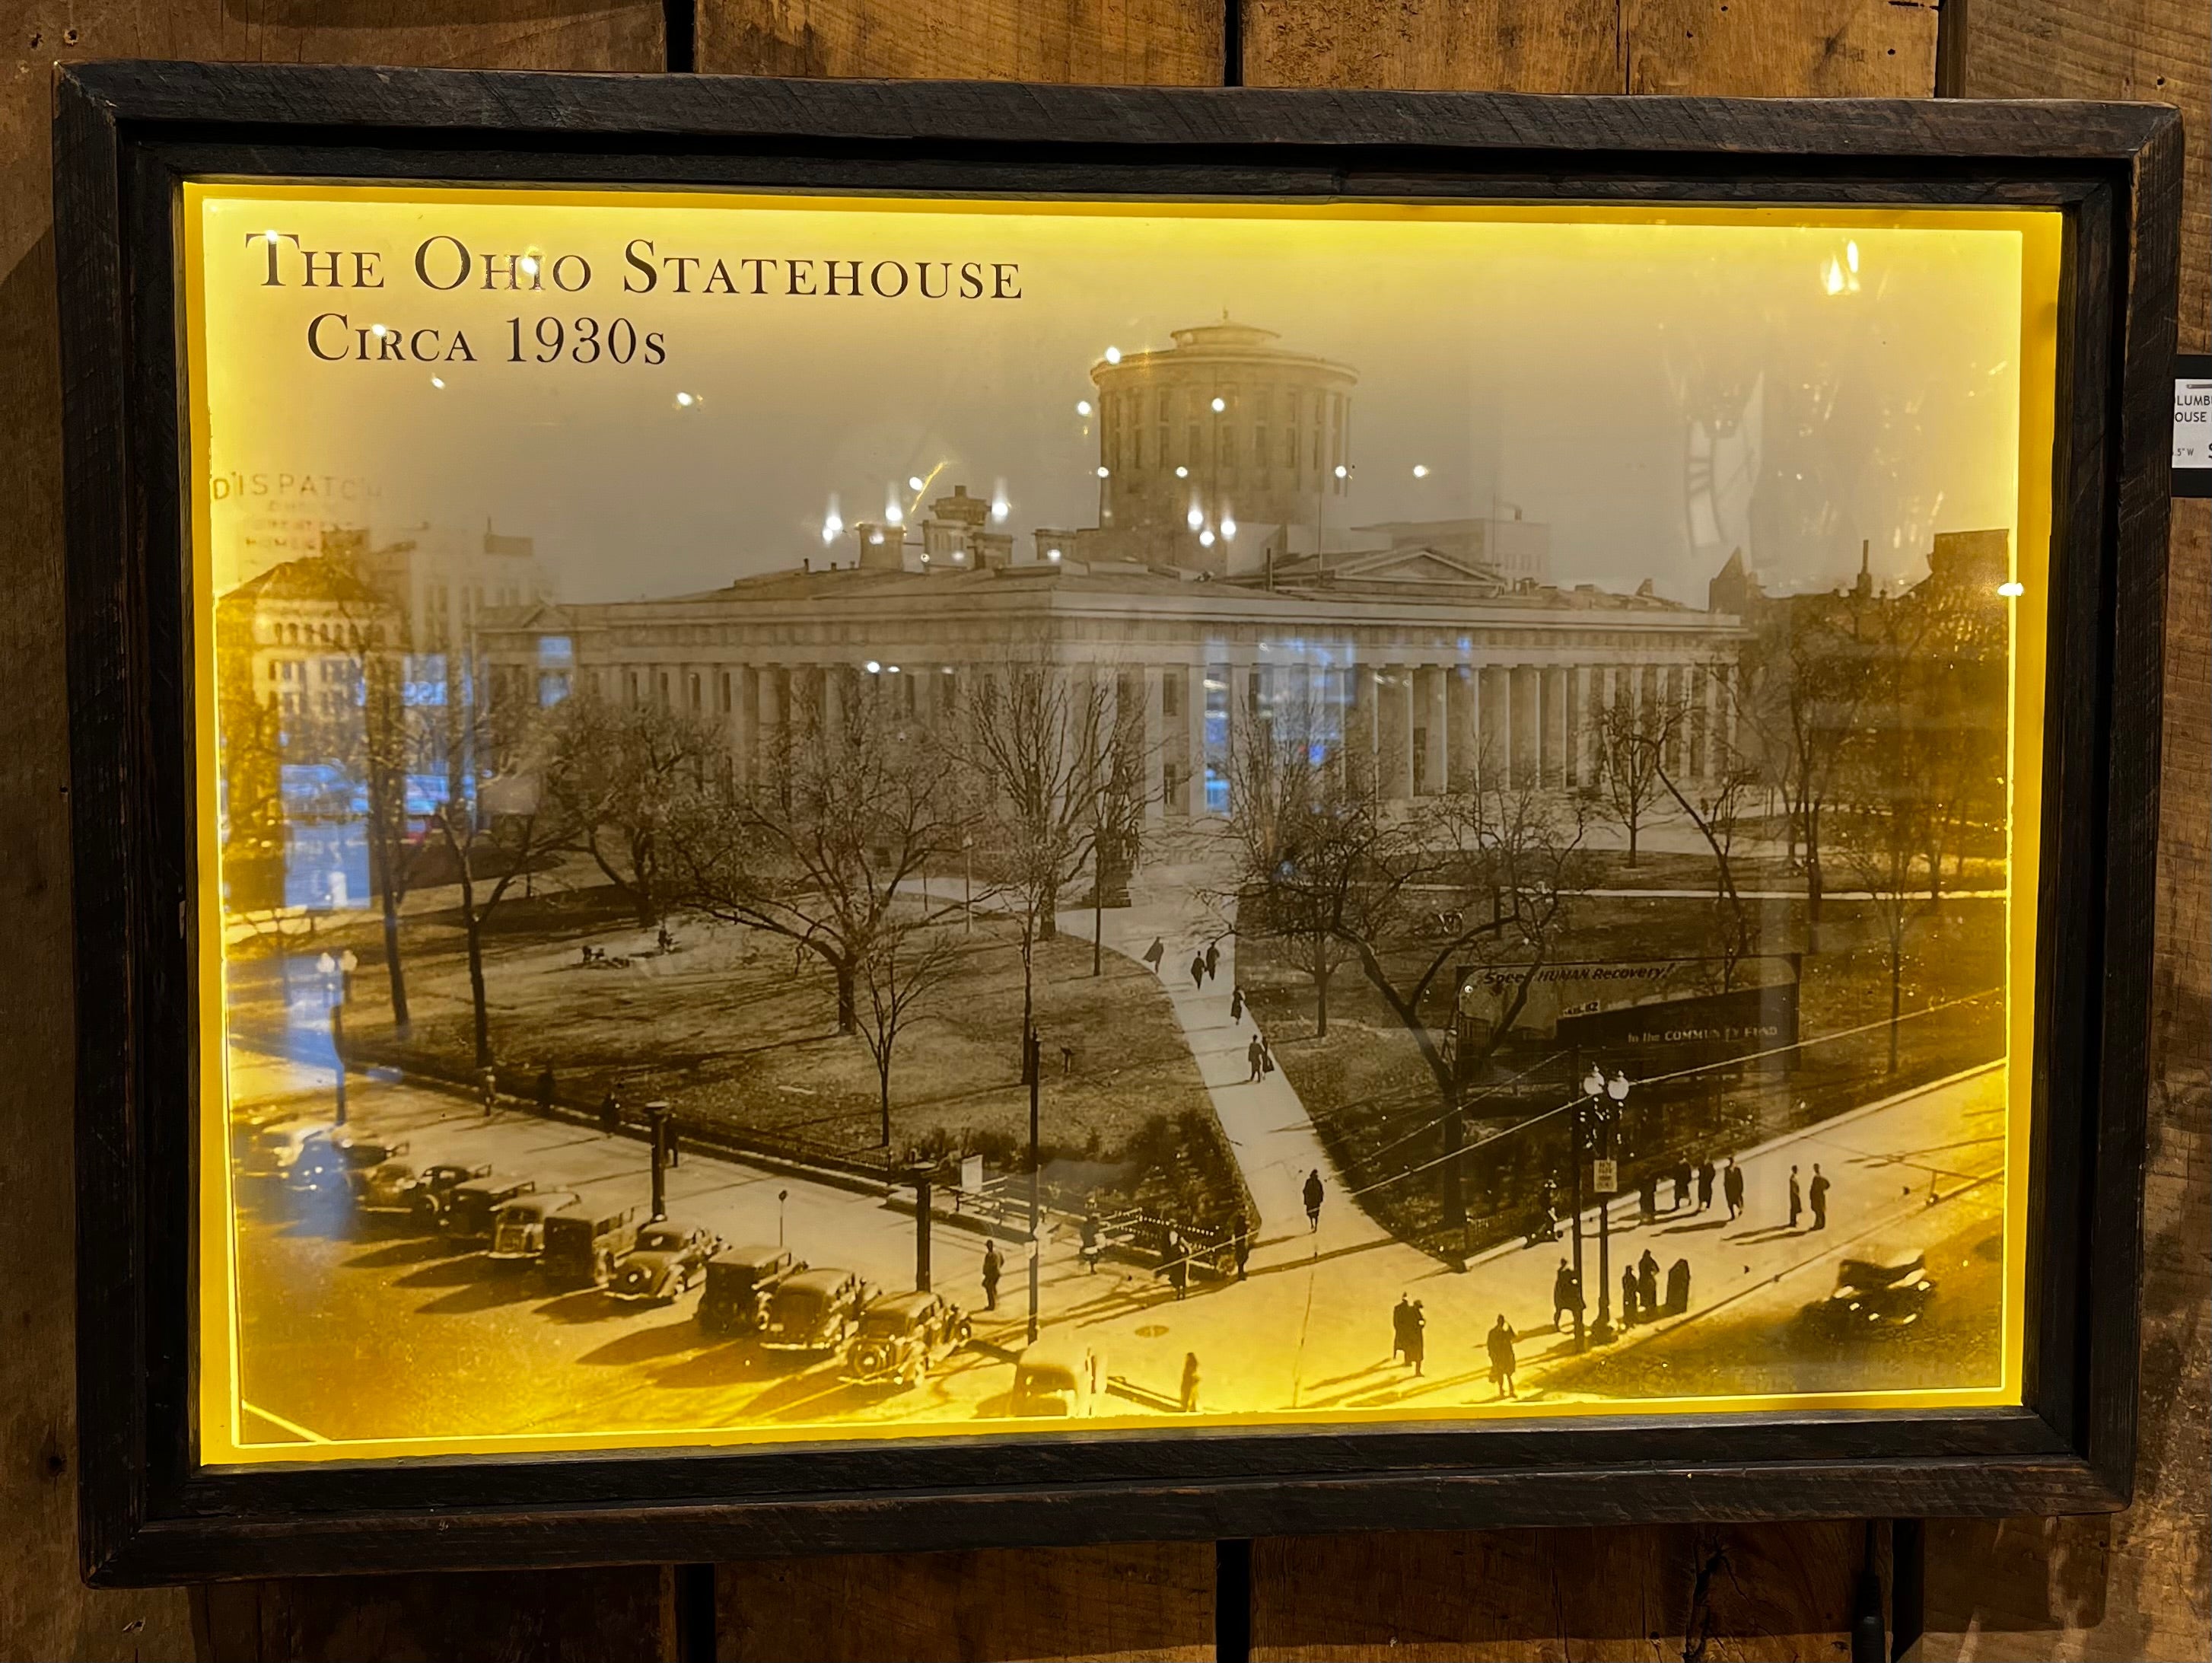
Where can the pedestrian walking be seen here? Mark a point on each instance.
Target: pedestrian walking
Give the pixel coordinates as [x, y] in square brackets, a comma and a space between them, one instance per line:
[1567, 1293]
[1818, 1194]
[609, 1114]
[1154, 954]
[1266, 1059]
[1704, 1184]
[1647, 1282]
[1797, 1199]
[1213, 960]
[545, 1091]
[488, 1088]
[993, 1265]
[1416, 1340]
[1401, 1326]
[1678, 1287]
[1189, 1396]
[1198, 970]
[1647, 1198]
[1088, 1250]
[1242, 1245]
[1681, 1186]
[1178, 1262]
[1501, 1356]
[669, 1141]
[1732, 1189]
[1066, 1059]
[1313, 1194]
[1628, 1296]
[1256, 1054]
[1237, 1002]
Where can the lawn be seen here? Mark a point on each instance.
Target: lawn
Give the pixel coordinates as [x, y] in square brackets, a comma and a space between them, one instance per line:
[730, 1025]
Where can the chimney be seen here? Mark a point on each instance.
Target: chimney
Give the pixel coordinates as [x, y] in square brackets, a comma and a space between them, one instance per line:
[883, 548]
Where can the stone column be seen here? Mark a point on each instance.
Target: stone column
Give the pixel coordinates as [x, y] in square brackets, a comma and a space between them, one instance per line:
[1495, 724]
[1394, 733]
[1463, 737]
[1155, 741]
[1193, 707]
[1431, 722]
[1527, 729]
[1554, 739]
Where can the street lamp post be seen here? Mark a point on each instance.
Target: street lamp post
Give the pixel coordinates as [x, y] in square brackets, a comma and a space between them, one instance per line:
[1032, 1065]
[1593, 1093]
[1605, 1112]
[920, 1178]
[337, 973]
[781, 1196]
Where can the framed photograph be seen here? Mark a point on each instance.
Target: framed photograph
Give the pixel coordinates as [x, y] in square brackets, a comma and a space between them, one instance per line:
[826, 817]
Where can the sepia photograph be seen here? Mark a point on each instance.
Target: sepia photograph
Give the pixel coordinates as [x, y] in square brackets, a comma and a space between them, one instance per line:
[825, 818]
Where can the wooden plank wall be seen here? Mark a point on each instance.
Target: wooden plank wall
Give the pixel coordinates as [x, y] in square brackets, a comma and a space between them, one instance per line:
[2132, 1587]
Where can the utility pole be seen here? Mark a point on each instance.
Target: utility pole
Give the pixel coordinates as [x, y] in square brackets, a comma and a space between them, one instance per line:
[921, 1180]
[657, 1113]
[1032, 1066]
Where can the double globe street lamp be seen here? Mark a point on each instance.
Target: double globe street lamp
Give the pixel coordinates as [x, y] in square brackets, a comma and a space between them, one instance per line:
[1596, 1114]
[337, 978]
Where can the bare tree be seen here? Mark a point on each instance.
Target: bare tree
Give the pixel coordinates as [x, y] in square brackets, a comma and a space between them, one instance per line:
[492, 841]
[617, 773]
[1045, 749]
[1716, 807]
[1882, 828]
[1305, 819]
[1633, 737]
[847, 806]
[906, 962]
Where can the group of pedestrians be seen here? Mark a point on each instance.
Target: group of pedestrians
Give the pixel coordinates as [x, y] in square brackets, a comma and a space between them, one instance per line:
[1409, 1344]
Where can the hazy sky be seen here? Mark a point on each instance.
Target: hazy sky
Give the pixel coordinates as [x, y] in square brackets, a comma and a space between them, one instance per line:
[1556, 367]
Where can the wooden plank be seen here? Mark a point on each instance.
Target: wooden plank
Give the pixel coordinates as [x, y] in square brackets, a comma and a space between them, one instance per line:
[2136, 1584]
[44, 1610]
[1513, 46]
[1678, 1590]
[1114, 42]
[1153, 1601]
[614, 1616]
[1780, 48]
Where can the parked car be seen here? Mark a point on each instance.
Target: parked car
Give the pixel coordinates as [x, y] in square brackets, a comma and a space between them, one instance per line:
[432, 1189]
[670, 1257]
[518, 1230]
[814, 1311]
[336, 1163]
[471, 1207]
[1890, 1290]
[1049, 1381]
[739, 1283]
[584, 1245]
[901, 1336]
[274, 1151]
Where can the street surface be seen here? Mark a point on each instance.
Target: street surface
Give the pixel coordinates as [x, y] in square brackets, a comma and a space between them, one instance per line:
[352, 1331]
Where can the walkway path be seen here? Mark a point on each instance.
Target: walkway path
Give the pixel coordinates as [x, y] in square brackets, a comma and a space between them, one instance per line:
[1273, 1137]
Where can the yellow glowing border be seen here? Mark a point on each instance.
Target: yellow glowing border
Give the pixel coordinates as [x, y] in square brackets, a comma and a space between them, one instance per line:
[216, 1362]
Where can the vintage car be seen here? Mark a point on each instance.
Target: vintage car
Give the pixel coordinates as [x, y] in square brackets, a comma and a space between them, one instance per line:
[583, 1245]
[1049, 1380]
[518, 1229]
[335, 1164]
[902, 1335]
[471, 1206]
[670, 1257]
[273, 1151]
[1888, 1290]
[814, 1311]
[739, 1283]
[423, 1192]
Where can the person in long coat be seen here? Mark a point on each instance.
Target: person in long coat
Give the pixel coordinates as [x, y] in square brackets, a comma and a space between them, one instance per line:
[1501, 1356]
[1256, 1054]
[1197, 970]
[609, 1114]
[1797, 1199]
[1704, 1184]
[1237, 1002]
[1732, 1188]
[1681, 1186]
[1678, 1287]
[1819, 1192]
[1647, 1281]
[1189, 1399]
[1417, 1343]
[1401, 1325]
[1212, 958]
[1313, 1198]
[1628, 1296]
[1156, 953]
[993, 1264]
[1567, 1293]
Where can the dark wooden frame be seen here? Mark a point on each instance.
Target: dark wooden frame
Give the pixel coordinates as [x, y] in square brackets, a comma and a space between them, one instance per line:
[124, 136]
